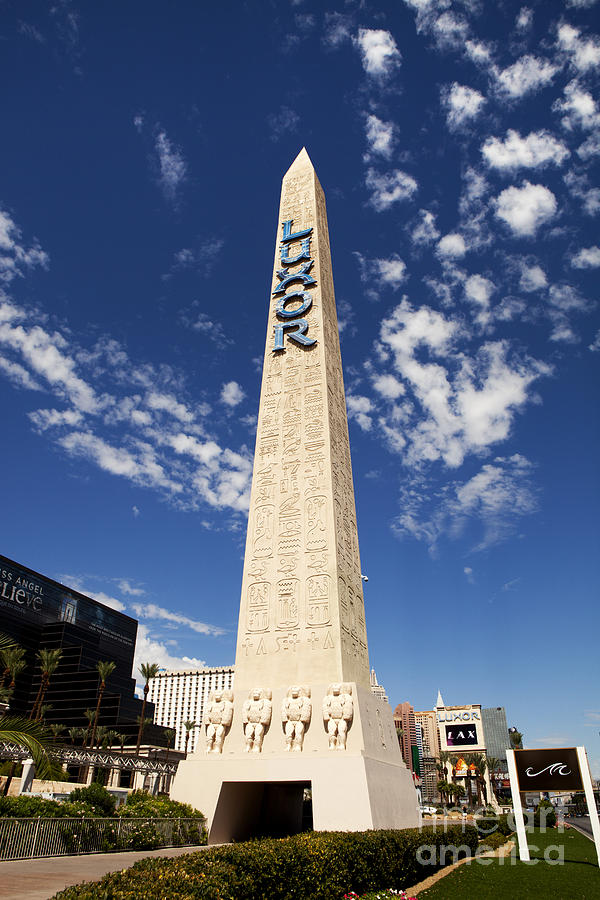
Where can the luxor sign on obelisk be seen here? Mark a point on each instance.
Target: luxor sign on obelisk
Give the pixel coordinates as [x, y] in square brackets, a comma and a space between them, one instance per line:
[301, 715]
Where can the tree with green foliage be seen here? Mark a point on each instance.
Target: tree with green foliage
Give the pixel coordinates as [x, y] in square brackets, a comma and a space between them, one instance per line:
[188, 725]
[48, 660]
[147, 671]
[13, 661]
[105, 670]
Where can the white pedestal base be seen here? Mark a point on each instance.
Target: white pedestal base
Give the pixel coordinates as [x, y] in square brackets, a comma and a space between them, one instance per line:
[367, 785]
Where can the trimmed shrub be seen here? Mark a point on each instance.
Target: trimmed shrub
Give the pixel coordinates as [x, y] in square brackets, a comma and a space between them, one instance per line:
[312, 866]
[493, 841]
[95, 795]
[142, 805]
[487, 825]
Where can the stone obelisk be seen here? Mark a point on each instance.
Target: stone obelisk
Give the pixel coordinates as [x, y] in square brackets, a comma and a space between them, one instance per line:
[302, 715]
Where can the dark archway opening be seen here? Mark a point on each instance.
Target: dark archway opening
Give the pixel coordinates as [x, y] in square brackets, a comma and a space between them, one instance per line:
[261, 809]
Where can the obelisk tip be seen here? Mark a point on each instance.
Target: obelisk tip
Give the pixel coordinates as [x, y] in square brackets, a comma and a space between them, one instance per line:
[302, 161]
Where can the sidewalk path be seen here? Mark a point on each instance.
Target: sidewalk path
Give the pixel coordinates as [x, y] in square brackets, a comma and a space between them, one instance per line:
[39, 879]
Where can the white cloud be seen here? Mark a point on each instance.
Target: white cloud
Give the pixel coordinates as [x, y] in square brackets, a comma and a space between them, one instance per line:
[581, 4]
[595, 345]
[149, 648]
[465, 405]
[469, 573]
[528, 74]
[524, 19]
[284, 121]
[389, 188]
[590, 147]
[491, 502]
[126, 587]
[536, 150]
[388, 386]
[44, 354]
[232, 394]
[380, 137]
[152, 611]
[135, 510]
[172, 166]
[478, 291]
[450, 30]
[478, 52]
[19, 375]
[582, 54]
[379, 52]
[451, 246]
[359, 409]
[201, 258]
[579, 107]
[587, 258]
[14, 256]
[462, 104]
[160, 402]
[379, 273]
[337, 29]
[526, 208]
[424, 231]
[533, 278]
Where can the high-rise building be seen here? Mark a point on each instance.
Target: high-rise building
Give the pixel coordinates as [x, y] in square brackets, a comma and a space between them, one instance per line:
[431, 752]
[404, 718]
[495, 729]
[302, 714]
[38, 612]
[180, 696]
[378, 689]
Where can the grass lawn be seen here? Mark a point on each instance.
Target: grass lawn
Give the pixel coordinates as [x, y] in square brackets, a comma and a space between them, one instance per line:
[577, 878]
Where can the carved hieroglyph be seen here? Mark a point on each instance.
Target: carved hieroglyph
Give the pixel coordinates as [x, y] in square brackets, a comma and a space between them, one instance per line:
[302, 606]
[218, 718]
[296, 711]
[338, 710]
[256, 717]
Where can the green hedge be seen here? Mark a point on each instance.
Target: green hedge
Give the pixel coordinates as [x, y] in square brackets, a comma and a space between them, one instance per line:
[312, 866]
[487, 825]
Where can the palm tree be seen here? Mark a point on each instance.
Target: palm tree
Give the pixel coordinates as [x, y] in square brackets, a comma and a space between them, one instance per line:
[105, 670]
[516, 739]
[56, 730]
[12, 659]
[147, 671]
[481, 765]
[169, 733]
[48, 661]
[493, 764]
[75, 734]
[22, 732]
[142, 727]
[188, 728]
[89, 714]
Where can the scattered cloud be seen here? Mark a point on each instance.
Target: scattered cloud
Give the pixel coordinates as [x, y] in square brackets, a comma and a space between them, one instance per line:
[424, 230]
[389, 188]
[582, 54]
[586, 258]
[492, 501]
[284, 121]
[380, 137]
[462, 405]
[126, 587]
[150, 647]
[526, 208]
[536, 150]
[380, 273]
[525, 76]
[152, 611]
[379, 52]
[451, 246]
[15, 257]
[200, 258]
[337, 29]
[172, 167]
[533, 278]
[462, 104]
[232, 394]
[359, 409]
[578, 107]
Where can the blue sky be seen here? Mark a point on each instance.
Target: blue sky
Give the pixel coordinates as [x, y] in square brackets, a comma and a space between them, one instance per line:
[457, 143]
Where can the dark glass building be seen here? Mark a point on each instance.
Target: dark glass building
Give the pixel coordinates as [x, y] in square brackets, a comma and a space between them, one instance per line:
[37, 613]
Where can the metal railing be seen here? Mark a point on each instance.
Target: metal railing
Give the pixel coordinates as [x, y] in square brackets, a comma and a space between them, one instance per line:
[38, 837]
[106, 758]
